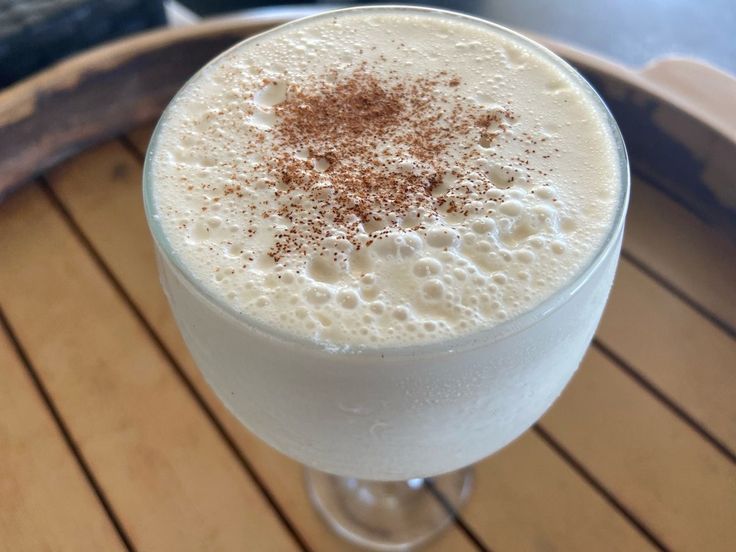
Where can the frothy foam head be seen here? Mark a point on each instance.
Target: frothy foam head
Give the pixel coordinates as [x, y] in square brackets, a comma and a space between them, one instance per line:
[384, 178]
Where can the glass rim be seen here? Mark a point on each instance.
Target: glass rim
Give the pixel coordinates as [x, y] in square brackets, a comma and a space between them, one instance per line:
[471, 340]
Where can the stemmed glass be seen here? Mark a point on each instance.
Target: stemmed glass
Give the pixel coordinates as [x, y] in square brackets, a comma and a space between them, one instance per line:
[387, 434]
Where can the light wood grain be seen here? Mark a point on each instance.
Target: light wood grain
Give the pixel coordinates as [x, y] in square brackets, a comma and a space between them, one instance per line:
[659, 468]
[46, 503]
[686, 77]
[528, 498]
[111, 215]
[675, 348]
[169, 476]
[683, 250]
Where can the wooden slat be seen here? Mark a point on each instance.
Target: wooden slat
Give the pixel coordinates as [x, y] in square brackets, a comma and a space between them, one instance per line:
[285, 479]
[101, 189]
[111, 216]
[45, 501]
[168, 475]
[663, 471]
[683, 250]
[527, 498]
[675, 348]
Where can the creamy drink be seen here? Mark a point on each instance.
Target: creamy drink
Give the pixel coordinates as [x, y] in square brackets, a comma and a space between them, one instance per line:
[387, 235]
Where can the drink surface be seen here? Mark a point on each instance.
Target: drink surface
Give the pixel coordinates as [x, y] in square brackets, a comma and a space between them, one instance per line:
[384, 178]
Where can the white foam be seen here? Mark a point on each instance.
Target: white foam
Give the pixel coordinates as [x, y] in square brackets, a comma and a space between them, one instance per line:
[513, 245]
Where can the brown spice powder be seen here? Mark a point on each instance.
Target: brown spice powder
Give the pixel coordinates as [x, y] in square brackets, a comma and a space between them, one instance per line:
[358, 156]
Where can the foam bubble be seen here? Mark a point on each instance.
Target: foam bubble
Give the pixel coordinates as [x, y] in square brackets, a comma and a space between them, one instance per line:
[442, 237]
[400, 313]
[271, 94]
[512, 208]
[433, 290]
[318, 295]
[427, 266]
[347, 298]
[323, 269]
[558, 247]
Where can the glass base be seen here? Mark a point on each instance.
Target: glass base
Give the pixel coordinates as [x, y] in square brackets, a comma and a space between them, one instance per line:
[388, 515]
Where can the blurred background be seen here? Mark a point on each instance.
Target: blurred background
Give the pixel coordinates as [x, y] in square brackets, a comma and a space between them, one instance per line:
[632, 31]
[35, 33]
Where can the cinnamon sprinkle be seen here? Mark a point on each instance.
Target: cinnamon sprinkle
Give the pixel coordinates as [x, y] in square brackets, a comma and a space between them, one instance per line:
[360, 156]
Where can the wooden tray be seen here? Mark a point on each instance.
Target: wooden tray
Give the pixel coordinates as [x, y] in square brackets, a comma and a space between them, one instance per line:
[111, 440]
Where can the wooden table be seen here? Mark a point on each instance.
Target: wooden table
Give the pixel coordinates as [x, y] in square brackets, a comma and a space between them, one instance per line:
[111, 440]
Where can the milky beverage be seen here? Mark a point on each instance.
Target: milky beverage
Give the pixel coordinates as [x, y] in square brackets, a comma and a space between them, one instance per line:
[373, 226]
